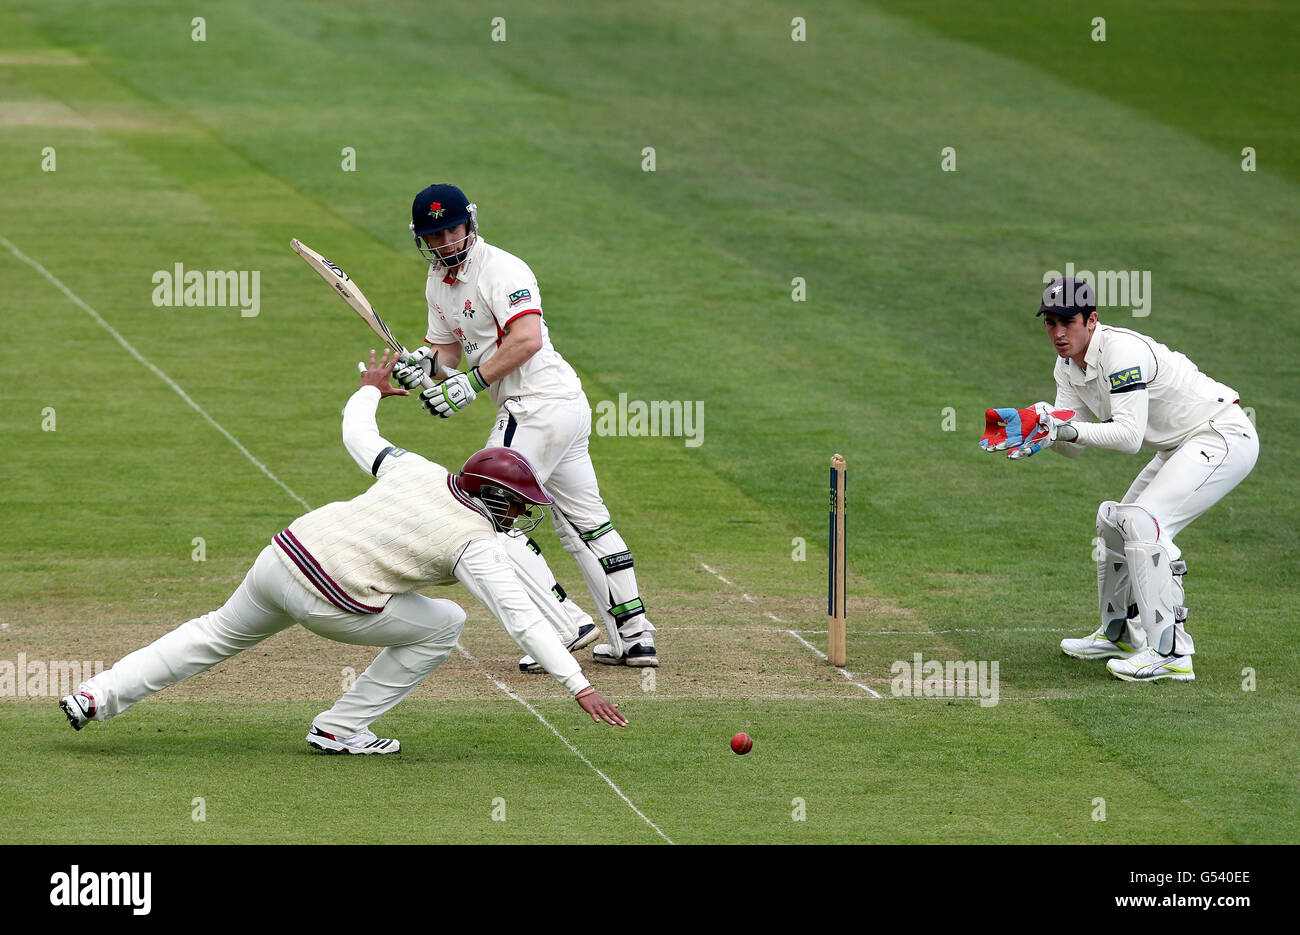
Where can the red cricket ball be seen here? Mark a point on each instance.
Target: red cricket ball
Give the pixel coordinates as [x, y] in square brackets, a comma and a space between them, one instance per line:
[742, 743]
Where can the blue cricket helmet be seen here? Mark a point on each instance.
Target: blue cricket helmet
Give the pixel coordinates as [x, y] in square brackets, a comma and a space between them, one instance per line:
[438, 208]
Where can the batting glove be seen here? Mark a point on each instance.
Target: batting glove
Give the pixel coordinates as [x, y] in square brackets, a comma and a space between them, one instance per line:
[419, 364]
[453, 395]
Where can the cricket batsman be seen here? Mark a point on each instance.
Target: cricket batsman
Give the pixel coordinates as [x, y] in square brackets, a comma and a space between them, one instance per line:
[349, 571]
[484, 303]
[1120, 390]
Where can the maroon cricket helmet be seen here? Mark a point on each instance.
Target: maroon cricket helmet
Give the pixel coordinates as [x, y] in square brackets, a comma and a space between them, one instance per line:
[506, 483]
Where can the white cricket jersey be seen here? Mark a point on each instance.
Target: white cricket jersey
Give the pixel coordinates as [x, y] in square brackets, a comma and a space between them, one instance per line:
[492, 288]
[1135, 391]
[411, 529]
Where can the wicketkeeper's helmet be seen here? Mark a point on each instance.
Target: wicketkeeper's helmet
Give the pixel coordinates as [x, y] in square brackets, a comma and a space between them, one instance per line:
[504, 481]
[437, 208]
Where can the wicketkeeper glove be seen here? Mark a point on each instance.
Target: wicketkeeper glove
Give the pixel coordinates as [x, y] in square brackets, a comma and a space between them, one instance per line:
[454, 394]
[419, 364]
[1024, 432]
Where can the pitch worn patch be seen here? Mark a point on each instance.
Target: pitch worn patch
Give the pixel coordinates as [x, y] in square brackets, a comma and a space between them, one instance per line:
[55, 114]
[53, 57]
[713, 644]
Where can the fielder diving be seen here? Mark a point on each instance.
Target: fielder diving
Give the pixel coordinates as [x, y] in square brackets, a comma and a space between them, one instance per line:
[349, 571]
[484, 302]
[1120, 390]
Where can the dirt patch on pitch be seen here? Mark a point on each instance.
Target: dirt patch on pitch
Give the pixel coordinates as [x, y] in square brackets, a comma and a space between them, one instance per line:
[45, 113]
[714, 644]
[42, 58]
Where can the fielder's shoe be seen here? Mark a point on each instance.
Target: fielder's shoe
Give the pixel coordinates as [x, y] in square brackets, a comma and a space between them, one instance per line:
[640, 653]
[79, 707]
[1096, 646]
[587, 634]
[1150, 666]
[365, 742]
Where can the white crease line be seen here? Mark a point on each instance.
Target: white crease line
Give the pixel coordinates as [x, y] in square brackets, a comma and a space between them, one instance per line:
[715, 574]
[768, 614]
[140, 357]
[576, 752]
[858, 633]
[844, 672]
[753, 629]
[864, 633]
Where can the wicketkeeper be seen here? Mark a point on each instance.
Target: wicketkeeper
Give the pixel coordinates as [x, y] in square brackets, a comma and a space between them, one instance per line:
[1120, 390]
[349, 571]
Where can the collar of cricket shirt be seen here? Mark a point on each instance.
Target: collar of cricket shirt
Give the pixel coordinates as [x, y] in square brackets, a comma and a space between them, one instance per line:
[468, 266]
[1090, 357]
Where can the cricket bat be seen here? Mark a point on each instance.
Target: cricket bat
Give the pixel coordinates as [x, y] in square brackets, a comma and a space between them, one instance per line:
[341, 283]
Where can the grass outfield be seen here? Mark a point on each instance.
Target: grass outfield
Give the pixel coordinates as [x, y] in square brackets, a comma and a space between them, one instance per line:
[775, 159]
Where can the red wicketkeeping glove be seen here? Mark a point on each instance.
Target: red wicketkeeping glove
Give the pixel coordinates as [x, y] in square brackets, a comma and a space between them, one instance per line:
[1022, 432]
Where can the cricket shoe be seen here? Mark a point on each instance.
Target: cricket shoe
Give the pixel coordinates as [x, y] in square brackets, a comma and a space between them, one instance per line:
[364, 743]
[79, 707]
[1150, 666]
[587, 634]
[1096, 646]
[640, 653]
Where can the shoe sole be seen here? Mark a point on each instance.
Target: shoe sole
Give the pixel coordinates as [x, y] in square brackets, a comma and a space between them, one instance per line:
[74, 717]
[1103, 655]
[584, 641]
[1175, 676]
[581, 642]
[636, 662]
[320, 744]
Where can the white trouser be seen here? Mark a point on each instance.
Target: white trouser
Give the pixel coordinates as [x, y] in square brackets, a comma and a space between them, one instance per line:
[1170, 492]
[1178, 486]
[554, 435]
[418, 633]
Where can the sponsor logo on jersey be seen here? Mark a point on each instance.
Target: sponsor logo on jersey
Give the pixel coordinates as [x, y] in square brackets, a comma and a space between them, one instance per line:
[1125, 377]
[397, 452]
[523, 295]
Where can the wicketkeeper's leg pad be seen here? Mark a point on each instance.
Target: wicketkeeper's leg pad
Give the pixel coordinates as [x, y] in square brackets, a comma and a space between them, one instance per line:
[1114, 593]
[1156, 582]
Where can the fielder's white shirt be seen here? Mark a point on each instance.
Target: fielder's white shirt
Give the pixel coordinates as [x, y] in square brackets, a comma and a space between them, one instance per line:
[491, 289]
[1135, 391]
[411, 529]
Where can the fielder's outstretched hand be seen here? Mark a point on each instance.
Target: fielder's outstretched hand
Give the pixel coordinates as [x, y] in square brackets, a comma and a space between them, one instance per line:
[600, 708]
[379, 375]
